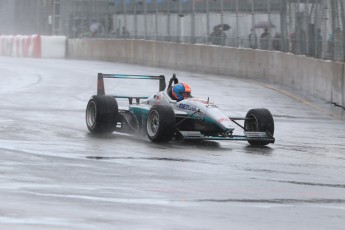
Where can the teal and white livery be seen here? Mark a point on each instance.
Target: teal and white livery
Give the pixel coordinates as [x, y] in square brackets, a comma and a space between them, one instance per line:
[161, 117]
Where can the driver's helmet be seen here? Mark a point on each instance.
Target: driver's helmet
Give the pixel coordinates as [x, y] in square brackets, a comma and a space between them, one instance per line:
[181, 91]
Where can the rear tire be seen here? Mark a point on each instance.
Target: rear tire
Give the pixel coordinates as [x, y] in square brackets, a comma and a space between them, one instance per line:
[161, 123]
[102, 114]
[259, 120]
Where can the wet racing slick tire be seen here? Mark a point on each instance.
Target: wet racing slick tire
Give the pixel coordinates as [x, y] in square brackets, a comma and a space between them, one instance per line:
[102, 114]
[161, 122]
[259, 120]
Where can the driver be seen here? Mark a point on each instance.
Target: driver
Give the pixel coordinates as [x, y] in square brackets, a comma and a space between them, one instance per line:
[181, 91]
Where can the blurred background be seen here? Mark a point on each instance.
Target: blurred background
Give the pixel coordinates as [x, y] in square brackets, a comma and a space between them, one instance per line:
[305, 27]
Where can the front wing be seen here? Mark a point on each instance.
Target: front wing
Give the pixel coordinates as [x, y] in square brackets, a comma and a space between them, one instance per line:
[248, 136]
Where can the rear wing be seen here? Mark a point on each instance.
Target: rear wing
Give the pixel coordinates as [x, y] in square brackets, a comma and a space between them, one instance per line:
[101, 76]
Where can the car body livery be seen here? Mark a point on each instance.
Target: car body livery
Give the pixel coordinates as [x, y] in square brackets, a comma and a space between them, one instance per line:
[162, 118]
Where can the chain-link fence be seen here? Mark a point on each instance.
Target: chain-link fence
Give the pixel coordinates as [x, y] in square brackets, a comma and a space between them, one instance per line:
[25, 17]
[306, 27]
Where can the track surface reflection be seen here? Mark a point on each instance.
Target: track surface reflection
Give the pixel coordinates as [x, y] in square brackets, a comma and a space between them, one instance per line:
[56, 175]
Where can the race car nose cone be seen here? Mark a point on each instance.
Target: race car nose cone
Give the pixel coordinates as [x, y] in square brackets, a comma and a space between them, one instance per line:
[220, 118]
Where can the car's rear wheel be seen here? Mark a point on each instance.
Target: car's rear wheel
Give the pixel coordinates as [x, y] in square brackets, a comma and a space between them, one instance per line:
[160, 126]
[259, 120]
[102, 114]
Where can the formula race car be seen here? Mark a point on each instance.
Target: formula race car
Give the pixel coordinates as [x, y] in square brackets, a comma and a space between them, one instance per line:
[162, 118]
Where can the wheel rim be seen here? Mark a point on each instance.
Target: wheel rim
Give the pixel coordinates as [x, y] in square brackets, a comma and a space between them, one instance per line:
[252, 124]
[153, 123]
[91, 114]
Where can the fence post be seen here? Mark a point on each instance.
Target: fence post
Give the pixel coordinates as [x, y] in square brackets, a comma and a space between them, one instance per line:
[156, 20]
[269, 27]
[342, 12]
[237, 25]
[222, 19]
[193, 23]
[207, 19]
[145, 19]
[168, 20]
[135, 19]
[179, 21]
[283, 24]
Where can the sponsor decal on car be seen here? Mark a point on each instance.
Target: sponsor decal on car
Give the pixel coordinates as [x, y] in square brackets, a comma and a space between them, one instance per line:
[187, 107]
[223, 119]
[199, 100]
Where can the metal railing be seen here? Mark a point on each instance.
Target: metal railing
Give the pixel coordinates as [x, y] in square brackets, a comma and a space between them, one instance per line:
[304, 27]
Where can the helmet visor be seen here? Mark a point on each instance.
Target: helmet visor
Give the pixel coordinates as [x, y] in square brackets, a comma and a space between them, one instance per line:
[185, 95]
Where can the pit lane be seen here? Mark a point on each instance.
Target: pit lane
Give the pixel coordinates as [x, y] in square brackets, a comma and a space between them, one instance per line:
[56, 175]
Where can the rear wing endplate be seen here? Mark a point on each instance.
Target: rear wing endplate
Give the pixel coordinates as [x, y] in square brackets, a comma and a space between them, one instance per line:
[101, 76]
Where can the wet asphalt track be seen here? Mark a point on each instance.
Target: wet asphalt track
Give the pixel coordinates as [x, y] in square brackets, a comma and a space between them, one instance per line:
[55, 175]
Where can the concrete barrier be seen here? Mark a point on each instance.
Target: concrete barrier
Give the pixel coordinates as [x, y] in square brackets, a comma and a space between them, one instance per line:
[20, 46]
[53, 46]
[323, 79]
[36, 46]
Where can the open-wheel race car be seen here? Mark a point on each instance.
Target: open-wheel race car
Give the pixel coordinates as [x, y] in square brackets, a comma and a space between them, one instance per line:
[162, 117]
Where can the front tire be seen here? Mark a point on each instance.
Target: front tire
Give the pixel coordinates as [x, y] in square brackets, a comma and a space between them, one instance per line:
[161, 121]
[102, 114]
[259, 120]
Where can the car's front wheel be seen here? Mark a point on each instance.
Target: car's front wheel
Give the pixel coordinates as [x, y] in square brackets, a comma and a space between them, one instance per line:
[259, 120]
[160, 126]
